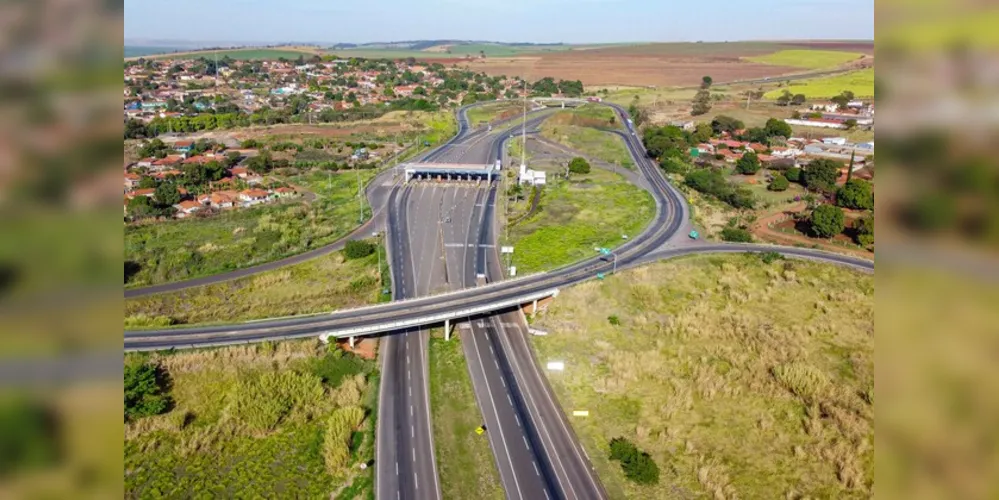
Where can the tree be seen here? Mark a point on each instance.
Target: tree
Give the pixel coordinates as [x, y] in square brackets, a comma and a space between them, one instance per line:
[779, 183]
[749, 164]
[664, 141]
[856, 194]
[826, 221]
[723, 123]
[850, 123]
[145, 390]
[702, 133]
[637, 465]
[702, 103]
[736, 235]
[638, 115]
[755, 134]
[706, 82]
[146, 182]
[793, 174]
[166, 194]
[778, 128]
[134, 129]
[864, 231]
[579, 166]
[798, 99]
[820, 174]
[356, 249]
[785, 98]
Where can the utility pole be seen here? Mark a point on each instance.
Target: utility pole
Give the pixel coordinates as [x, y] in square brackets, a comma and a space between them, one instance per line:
[523, 130]
[360, 199]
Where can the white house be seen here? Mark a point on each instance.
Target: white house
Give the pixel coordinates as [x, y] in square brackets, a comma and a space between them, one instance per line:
[836, 141]
[532, 177]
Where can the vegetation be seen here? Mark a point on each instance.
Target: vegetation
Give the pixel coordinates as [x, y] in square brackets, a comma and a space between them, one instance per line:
[807, 59]
[318, 285]
[860, 82]
[579, 166]
[717, 373]
[146, 391]
[821, 174]
[464, 460]
[491, 112]
[181, 249]
[864, 229]
[856, 194]
[583, 130]
[779, 183]
[826, 221]
[712, 182]
[736, 235]
[701, 103]
[749, 164]
[577, 215]
[638, 466]
[257, 421]
[358, 249]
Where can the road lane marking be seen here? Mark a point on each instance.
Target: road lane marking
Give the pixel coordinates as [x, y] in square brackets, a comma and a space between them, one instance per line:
[525, 443]
[410, 410]
[416, 480]
[412, 431]
[508, 398]
[536, 471]
[518, 419]
[414, 457]
[397, 467]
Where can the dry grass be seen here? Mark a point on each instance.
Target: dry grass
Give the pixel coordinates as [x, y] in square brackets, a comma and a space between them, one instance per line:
[742, 379]
[254, 419]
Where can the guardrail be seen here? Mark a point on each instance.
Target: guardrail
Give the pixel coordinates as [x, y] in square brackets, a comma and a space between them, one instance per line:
[431, 319]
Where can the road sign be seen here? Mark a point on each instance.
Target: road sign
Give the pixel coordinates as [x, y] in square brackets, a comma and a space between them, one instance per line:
[513, 271]
[581, 413]
[479, 430]
[600, 276]
[506, 249]
[556, 365]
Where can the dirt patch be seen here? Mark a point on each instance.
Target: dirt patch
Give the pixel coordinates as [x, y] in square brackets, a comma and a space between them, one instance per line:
[863, 47]
[365, 347]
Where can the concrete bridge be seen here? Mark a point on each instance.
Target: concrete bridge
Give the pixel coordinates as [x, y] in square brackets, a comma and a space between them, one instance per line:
[559, 101]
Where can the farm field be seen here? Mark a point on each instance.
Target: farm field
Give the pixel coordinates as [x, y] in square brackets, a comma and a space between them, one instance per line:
[861, 83]
[253, 421]
[808, 59]
[464, 460]
[318, 285]
[242, 54]
[180, 249]
[740, 378]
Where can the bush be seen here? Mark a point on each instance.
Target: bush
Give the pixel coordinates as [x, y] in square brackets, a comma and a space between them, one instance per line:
[749, 164]
[614, 320]
[821, 174]
[263, 400]
[865, 231]
[827, 221]
[779, 183]
[579, 166]
[712, 182]
[737, 235]
[638, 466]
[672, 165]
[793, 174]
[357, 249]
[339, 431]
[770, 257]
[145, 390]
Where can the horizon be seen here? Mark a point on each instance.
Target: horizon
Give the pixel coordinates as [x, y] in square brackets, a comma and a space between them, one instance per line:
[171, 43]
[547, 21]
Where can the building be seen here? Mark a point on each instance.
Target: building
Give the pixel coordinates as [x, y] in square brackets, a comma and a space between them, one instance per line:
[683, 124]
[532, 177]
[187, 208]
[836, 141]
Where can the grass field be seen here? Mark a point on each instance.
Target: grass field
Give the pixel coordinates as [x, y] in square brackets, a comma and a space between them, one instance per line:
[591, 210]
[488, 113]
[318, 285]
[807, 59]
[741, 379]
[180, 249]
[861, 83]
[219, 441]
[464, 460]
[581, 130]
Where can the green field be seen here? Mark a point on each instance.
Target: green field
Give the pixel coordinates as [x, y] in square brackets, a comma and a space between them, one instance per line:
[318, 285]
[591, 210]
[490, 112]
[249, 422]
[464, 460]
[807, 59]
[741, 379]
[239, 54]
[180, 249]
[582, 130]
[861, 83]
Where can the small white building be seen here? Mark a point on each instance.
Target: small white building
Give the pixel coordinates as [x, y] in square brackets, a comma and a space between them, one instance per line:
[532, 177]
[836, 141]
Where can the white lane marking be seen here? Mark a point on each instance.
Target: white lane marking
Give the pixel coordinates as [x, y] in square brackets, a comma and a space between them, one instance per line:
[502, 439]
[525, 443]
[508, 398]
[502, 379]
[518, 419]
[546, 495]
[410, 410]
[491, 350]
[416, 481]
[532, 408]
[426, 405]
[397, 467]
[496, 363]
[412, 431]
[398, 495]
[414, 458]
[536, 471]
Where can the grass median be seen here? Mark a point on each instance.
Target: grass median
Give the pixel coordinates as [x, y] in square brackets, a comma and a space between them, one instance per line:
[464, 460]
[740, 378]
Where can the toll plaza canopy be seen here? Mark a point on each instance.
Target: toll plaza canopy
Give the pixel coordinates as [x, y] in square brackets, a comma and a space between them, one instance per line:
[451, 171]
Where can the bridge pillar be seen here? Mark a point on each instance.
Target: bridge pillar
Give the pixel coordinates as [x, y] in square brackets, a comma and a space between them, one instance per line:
[350, 341]
[447, 330]
[563, 104]
[534, 310]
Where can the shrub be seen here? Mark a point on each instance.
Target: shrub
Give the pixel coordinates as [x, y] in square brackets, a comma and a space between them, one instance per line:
[145, 390]
[712, 182]
[793, 174]
[856, 194]
[614, 320]
[264, 400]
[770, 257]
[805, 381]
[749, 164]
[357, 249]
[579, 166]
[638, 466]
[827, 221]
[779, 183]
[339, 430]
[821, 174]
[736, 234]
[865, 231]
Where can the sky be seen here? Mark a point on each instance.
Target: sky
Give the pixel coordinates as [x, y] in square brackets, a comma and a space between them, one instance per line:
[542, 21]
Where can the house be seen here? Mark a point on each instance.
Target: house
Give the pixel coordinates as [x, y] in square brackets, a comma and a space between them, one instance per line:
[705, 149]
[285, 192]
[198, 159]
[221, 199]
[730, 155]
[757, 147]
[145, 162]
[132, 181]
[836, 141]
[163, 174]
[253, 196]
[532, 177]
[728, 143]
[147, 192]
[827, 107]
[167, 162]
[683, 124]
[782, 152]
[187, 207]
